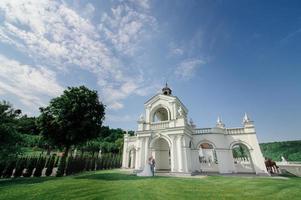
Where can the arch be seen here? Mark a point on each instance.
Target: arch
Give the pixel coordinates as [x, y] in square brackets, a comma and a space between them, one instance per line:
[163, 113]
[208, 161]
[243, 161]
[205, 141]
[158, 137]
[161, 151]
[131, 158]
[240, 142]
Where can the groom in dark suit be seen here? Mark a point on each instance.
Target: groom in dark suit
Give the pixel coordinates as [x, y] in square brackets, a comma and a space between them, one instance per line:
[153, 163]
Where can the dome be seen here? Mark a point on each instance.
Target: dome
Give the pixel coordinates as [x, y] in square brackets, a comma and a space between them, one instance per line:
[166, 90]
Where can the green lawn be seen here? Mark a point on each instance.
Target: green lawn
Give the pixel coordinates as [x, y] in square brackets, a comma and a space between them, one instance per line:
[117, 185]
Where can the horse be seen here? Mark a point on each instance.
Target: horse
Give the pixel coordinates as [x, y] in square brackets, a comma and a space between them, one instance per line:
[271, 166]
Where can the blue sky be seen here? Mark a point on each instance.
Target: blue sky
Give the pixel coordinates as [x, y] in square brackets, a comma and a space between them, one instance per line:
[219, 57]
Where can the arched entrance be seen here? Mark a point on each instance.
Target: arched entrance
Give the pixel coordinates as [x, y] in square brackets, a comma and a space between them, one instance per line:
[161, 153]
[132, 158]
[207, 158]
[242, 158]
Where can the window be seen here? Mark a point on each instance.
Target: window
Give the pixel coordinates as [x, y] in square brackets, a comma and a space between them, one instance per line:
[161, 114]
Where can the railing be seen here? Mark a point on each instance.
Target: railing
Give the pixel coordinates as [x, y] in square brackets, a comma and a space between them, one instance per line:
[233, 131]
[203, 130]
[159, 125]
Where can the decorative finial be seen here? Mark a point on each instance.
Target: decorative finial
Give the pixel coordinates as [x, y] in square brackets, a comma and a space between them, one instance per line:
[246, 118]
[219, 122]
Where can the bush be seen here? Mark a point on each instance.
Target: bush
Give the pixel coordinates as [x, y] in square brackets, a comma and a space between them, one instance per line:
[61, 167]
[39, 166]
[93, 162]
[10, 166]
[56, 162]
[50, 165]
[20, 165]
[30, 165]
[70, 166]
[2, 167]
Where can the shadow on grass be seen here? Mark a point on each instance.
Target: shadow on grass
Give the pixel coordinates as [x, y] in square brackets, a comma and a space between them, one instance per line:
[116, 177]
[31, 180]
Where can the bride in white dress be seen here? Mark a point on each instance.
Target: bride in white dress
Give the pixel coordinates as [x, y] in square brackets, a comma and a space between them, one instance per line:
[147, 169]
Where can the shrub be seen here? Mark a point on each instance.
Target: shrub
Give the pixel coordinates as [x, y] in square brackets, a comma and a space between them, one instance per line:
[56, 162]
[30, 165]
[70, 166]
[39, 166]
[61, 167]
[20, 165]
[2, 167]
[50, 165]
[93, 162]
[10, 166]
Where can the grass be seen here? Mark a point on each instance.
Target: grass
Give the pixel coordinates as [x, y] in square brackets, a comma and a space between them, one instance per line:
[114, 184]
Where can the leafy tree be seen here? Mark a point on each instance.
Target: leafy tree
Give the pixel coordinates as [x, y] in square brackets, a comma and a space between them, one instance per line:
[72, 118]
[9, 137]
[291, 150]
[27, 125]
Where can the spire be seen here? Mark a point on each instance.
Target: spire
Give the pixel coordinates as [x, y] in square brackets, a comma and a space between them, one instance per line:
[166, 90]
[247, 122]
[246, 119]
[219, 123]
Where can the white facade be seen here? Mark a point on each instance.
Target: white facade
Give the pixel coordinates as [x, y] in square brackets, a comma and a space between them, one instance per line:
[177, 146]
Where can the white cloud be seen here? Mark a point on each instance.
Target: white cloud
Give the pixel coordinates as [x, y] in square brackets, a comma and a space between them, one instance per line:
[28, 83]
[88, 11]
[61, 38]
[188, 68]
[125, 28]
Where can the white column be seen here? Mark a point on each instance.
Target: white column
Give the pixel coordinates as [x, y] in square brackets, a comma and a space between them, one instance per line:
[124, 154]
[138, 154]
[173, 154]
[142, 154]
[133, 159]
[146, 155]
[184, 155]
[179, 150]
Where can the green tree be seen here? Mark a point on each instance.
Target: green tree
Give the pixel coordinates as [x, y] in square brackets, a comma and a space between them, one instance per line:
[27, 125]
[72, 118]
[9, 137]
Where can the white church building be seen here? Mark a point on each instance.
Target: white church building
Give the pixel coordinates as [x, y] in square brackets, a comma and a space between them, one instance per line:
[179, 147]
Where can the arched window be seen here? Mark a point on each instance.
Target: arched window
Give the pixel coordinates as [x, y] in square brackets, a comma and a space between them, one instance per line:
[161, 114]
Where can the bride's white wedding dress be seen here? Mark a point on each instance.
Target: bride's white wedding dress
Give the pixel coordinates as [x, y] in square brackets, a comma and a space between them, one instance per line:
[146, 171]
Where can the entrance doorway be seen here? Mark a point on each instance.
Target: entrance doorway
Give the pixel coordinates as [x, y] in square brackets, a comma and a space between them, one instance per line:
[161, 153]
[132, 158]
